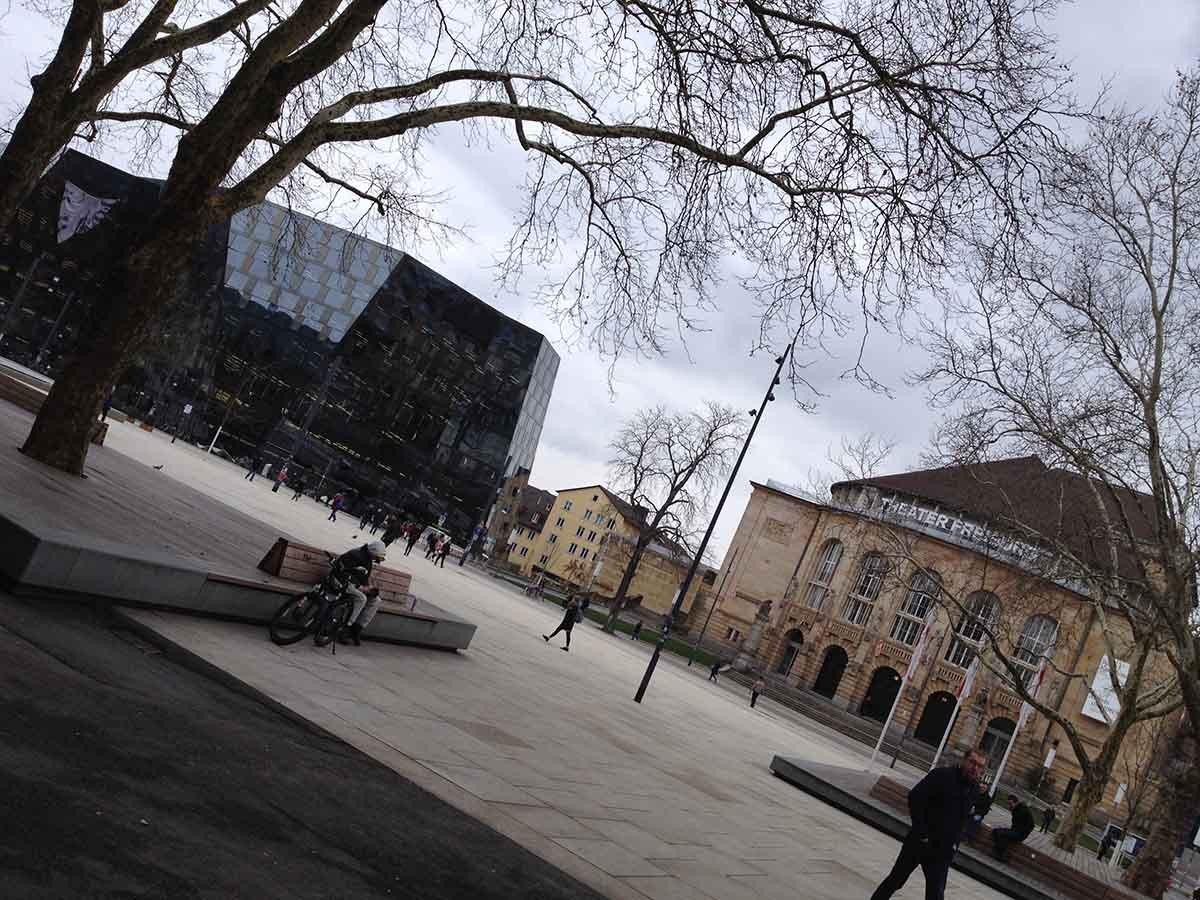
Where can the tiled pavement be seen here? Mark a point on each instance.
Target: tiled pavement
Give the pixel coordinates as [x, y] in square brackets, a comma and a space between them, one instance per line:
[665, 800]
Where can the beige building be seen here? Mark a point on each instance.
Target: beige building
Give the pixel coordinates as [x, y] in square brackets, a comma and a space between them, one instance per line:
[587, 539]
[828, 597]
[517, 516]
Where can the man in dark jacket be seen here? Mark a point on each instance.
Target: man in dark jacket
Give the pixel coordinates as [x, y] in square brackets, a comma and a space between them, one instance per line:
[938, 807]
[1022, 827]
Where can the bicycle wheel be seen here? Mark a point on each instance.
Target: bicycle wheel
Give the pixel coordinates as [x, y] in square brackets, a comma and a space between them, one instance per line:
[294, 619]
[332, 623]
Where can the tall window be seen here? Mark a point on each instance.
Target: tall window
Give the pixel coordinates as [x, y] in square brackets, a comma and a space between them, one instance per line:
[818, 588]
[982, 613]
[524, 551]
[553, 539]
[922, 594]
[579, 531]
[561, 521]
[567, 504]
[587, 516]
[866, 590]
[543, 559]
[1037, 638]
[591, 535]
[572, 548]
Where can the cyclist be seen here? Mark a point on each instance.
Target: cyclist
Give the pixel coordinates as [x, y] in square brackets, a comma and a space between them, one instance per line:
[357, 565]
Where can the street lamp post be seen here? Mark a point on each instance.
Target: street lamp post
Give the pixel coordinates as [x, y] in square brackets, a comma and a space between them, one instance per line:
[780, 362]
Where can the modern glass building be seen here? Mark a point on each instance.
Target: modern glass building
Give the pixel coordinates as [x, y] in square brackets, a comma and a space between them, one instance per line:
[356, 365]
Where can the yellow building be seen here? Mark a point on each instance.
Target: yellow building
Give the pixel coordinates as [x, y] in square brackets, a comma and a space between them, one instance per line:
[586, 541]
[827, 599]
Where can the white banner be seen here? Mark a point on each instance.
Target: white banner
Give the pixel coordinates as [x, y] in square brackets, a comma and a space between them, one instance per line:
[968, 685]
[80, 211]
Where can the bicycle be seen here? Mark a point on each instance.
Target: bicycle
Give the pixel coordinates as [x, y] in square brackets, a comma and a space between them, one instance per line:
[322, 611]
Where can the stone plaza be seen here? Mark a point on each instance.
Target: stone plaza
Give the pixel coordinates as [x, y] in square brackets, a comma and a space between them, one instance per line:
[671, 798]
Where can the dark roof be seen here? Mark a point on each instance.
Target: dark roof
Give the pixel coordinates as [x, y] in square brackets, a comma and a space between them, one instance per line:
[1023, 493]
[533, 500]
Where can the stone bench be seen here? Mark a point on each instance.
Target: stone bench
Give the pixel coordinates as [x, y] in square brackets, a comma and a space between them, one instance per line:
[305, 564]
[1032, 864]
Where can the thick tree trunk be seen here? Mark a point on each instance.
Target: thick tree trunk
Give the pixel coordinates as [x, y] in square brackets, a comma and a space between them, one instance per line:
[138, 290]
[1150, 873]
[1090, 791]
[45, 127]
[618, 603]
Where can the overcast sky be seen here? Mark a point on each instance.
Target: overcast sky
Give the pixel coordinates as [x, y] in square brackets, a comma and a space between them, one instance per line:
[1138, 46]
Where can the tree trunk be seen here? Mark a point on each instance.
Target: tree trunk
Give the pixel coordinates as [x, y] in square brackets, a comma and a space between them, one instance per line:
[1150, 873]
[618, 603]
[45, 127]
[1087, 795]
[1090, 791]
[139, 287]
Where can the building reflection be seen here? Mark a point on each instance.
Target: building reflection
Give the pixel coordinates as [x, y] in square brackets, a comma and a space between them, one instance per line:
[357, 366]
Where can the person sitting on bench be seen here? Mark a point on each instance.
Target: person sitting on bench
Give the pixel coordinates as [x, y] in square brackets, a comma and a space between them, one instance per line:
[1022, 827]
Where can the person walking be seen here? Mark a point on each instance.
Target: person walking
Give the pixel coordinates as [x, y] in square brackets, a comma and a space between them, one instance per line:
[758, 687]
[1021, 828]
[335, 504]
[570, 617]
[283, 477]
[256, 464]
[412, 535]
[938, 807]
[368, 512]
[298, 488]
[1047, 819]
[443, 550]
[637, 630]
[431, 544]
[713, 670]
[392, 529]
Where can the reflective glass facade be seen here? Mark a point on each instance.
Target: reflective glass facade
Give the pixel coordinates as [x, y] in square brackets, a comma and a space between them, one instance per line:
[302, 342]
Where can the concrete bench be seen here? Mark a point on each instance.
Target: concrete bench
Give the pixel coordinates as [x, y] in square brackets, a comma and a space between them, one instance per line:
[1034, 865]
[308, 565]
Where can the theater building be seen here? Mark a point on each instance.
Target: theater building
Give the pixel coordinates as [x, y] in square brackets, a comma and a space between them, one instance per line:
[826, 598]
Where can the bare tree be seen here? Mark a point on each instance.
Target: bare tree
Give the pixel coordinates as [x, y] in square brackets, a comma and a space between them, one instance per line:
[1141, 765]
[836, 151]
[153, 49]
[665, 466]
[1150, 873]
[1077, 341]
[855, 459]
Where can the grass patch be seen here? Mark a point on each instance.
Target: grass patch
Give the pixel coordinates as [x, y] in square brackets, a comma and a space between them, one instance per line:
[650, 635]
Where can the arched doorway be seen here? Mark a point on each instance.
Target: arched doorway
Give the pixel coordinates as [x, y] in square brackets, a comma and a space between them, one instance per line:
[995, 741]
[793, 642]
[881, 694]
[832, 668]
[935, 719]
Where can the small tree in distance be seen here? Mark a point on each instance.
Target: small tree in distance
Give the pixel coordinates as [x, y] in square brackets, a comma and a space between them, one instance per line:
[665, 466]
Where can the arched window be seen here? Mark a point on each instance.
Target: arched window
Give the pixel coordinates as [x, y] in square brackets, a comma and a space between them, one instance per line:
[1036, 640]
[866, 590]
[922, 594]
[818, 587]
[981, 614]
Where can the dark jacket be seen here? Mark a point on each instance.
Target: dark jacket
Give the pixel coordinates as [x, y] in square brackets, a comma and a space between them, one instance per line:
[939, 806]
[354, 559]
[1022, 821]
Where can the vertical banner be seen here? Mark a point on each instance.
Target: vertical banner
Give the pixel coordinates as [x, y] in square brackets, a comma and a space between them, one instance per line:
[913, 663]
[1035, 688]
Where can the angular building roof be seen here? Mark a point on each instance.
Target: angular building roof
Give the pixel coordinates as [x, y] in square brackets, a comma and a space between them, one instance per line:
[1025, 495]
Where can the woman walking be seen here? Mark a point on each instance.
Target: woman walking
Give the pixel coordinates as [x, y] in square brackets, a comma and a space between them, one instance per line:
[570, 616]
